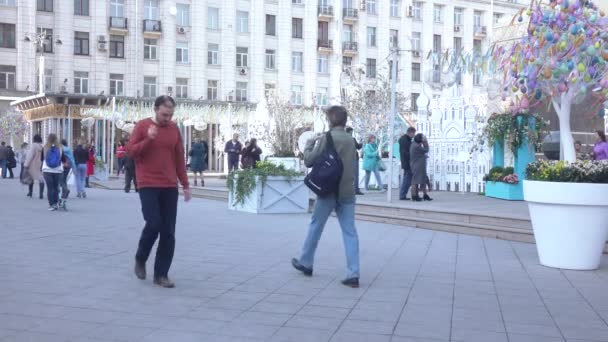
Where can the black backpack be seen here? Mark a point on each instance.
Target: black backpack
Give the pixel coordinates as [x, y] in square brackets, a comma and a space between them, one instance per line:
[324, 178]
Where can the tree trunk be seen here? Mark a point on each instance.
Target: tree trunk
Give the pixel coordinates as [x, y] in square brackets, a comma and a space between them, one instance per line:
[567, 151]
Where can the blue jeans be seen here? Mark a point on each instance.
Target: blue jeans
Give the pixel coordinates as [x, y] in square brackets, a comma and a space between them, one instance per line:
[345, 211]
[53, 182]
[3, 165]
[81, 176]
[378, 179]
[405, 183]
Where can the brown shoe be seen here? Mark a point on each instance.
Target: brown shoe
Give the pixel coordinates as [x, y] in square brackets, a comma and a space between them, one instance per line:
[164, 282]
[140, 270]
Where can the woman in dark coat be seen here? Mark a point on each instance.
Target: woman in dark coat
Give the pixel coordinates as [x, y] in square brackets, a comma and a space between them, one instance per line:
[251, 154]
[198, 161]
[418, 152]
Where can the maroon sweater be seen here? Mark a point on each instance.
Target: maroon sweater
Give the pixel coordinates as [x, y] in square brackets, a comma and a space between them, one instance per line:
[159, 162]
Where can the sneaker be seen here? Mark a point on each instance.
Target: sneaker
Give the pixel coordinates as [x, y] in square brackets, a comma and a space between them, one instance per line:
[52, 208]
[84, 195]
[351, 282]
[79, 195]
[164, 282]
[140, 270]
[305, 270]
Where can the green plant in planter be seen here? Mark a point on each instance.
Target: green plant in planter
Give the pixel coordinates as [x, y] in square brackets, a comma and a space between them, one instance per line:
[243, 182]
[500, 174]
[99, 164]
[507, 127]
[584, 171]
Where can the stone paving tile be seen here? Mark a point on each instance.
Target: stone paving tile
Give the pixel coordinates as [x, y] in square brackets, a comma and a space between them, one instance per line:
[235, 282]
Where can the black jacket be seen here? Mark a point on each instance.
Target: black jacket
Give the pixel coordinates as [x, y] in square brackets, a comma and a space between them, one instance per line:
[405, 142]
[358, 146]
[81, 155]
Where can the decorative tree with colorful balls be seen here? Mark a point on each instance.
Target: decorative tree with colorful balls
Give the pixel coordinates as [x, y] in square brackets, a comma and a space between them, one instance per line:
[562, 60]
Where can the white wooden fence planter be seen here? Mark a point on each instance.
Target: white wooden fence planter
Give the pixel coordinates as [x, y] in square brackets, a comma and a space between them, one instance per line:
[101, 173]
[279, 195]
[570, 222]
[290, 163]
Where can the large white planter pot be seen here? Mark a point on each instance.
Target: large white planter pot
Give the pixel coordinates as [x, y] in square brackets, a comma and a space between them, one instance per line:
[290, 163]
[277, 196]
[570, 222]
[101, 174]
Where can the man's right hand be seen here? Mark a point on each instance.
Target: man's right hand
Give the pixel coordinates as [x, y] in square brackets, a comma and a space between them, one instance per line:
[152, 132]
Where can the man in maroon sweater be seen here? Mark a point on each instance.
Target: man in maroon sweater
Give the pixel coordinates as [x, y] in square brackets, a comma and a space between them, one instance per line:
[157, 148]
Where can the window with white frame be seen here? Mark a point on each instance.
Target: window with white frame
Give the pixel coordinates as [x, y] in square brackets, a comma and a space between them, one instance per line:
[436, 43]
[296, 61]
[322, 64]
[7, 3]
[212, 90]
[181, 88]
[44, 5]
[151, 10]
[117, 46]
[321, 97]
[394, 8]
[477, 19]
[458, 16]
[271, 56]
[269, 89]
[81, 43]
[437, 15]
[117, 8]
[416, 41]
[242, 57]
[48, 80]
[47, 45]
[297, 2]
[182, 17]
[213, 54]
[150, 87]
[477, 77]
[117, 85]
[394, 38]
[371, 36]
[271, 25]
[370, 68]
[497, 17]
[417, 10]
[213, 18]
[296, 95]
[242, 21]
[151, 49]
[81, 82]
[416, 72]
[7, 77]
[457, 44]
[241, 91]
[371, 7]
[297, 28]
[81, 7]
[182, 54]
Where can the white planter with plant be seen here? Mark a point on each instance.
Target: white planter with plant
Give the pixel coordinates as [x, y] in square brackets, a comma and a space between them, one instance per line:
[290, 163]
[101, 170]
[267, 189]
[569, 210]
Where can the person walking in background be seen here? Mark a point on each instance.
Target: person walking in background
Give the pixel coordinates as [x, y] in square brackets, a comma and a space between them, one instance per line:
[11, 162]
[68, 165]
[90, 164]
[198, 161]
[358, 147]
[33, 166]
[81, 157]
[3, 158]
[342, 202]
[418, 157]
[21, 155]
[600, 150]
[52, 168]
[130, 176]
[121, 151]
[371, 162]
[233, 149]
[405, 143]
[157, 147]
[251, 154]
[580, 151]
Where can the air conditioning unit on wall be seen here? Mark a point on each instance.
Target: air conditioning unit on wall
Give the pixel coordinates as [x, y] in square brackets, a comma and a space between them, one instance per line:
[181, 30]
[101, 46]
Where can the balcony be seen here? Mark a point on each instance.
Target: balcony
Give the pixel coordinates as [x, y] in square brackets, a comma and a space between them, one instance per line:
[349, 48]
[118, 25]
[326, 12]
[350, 14]
[481, 31]
[152, 28]
[325, 45]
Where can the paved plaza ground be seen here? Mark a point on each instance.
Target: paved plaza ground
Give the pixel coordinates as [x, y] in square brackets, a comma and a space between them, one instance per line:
[67, 276]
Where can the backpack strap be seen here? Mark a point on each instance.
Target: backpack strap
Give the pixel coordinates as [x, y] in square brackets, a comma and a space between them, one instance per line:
[330, 140]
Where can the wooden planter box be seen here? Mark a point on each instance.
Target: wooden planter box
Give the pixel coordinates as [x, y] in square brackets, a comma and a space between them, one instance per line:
[278, 196]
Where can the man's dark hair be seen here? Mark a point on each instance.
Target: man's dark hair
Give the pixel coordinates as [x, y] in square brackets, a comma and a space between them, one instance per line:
[418, 138]
[161, 100]
[349, 129]
[37, 139]
[64, 142]
[3, 143]
[411, 130]
[578, 142]
[337, 116]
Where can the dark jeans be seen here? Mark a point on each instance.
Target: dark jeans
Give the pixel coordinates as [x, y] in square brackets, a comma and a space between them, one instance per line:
[356, 166]
[233, 163]
[120, 164]
[10, 172]
[159, 207]
[130, 177]
[53, 181]
[405, 183]
[64, 183]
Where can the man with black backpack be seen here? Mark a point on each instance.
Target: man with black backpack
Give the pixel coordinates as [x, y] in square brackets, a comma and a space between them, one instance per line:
[331, 157]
